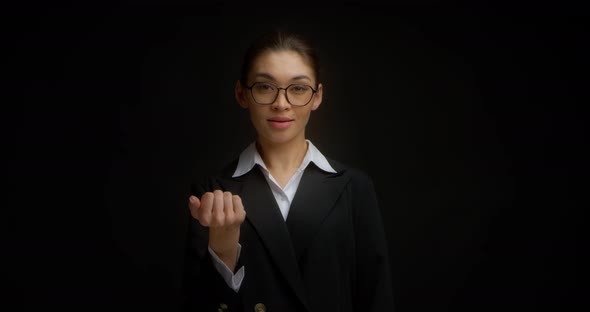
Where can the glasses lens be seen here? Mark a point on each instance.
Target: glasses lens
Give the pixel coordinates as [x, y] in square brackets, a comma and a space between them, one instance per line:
[299, 95]
[264, 93]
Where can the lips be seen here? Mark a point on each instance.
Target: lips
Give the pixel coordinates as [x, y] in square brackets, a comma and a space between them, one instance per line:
[280, 119]
[280, 122]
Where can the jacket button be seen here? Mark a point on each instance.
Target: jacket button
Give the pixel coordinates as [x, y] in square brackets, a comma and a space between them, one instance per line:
[259, 307]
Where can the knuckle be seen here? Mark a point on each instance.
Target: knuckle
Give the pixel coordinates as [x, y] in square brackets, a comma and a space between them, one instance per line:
[207, 197]
[237, 201]
[227, 197]
[204, 221]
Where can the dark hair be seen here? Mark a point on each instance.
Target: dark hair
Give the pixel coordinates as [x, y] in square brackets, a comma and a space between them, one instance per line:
[279, 40]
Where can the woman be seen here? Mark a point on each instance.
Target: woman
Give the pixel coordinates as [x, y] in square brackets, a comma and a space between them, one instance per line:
[283, 228]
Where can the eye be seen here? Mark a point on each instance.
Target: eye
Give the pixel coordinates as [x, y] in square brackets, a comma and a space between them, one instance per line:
[264, 87]
[299, 88]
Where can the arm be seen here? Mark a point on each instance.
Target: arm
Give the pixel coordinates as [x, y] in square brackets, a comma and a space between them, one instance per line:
[204, 289]
[212, 248]
[373, 278]
[232, 280]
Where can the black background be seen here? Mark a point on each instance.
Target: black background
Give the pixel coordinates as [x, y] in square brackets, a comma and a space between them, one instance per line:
[468, 119]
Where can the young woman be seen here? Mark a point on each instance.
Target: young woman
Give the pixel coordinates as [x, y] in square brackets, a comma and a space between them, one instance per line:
[283, 227]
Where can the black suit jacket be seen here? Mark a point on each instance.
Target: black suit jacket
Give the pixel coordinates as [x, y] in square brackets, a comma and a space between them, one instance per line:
[329, 255]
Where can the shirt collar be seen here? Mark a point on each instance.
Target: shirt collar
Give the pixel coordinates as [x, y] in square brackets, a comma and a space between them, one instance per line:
[250, 157]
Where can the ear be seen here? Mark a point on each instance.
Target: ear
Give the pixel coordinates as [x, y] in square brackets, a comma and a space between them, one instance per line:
[240, 94]
[317, 99]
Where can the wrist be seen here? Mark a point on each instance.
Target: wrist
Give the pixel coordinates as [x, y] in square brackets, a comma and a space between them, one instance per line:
[228, 256]
[224, 242]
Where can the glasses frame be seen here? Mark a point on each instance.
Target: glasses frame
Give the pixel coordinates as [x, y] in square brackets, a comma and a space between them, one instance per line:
[286, 93]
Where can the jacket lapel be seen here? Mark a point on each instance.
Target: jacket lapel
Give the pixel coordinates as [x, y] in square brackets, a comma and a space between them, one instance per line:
[264, 215]
[315, 198]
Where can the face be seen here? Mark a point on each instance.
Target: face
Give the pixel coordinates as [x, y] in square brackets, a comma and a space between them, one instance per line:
[279, 122]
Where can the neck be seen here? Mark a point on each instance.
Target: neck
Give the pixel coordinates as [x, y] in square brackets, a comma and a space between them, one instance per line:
[284, 156]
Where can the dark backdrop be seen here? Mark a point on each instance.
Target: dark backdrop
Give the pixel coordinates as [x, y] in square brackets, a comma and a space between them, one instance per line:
[467, 118]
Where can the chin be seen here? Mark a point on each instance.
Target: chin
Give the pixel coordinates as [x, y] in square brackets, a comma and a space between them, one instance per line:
[279, 138]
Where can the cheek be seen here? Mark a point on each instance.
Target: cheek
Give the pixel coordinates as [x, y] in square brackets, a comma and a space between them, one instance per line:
[304, 115]
[256, 115]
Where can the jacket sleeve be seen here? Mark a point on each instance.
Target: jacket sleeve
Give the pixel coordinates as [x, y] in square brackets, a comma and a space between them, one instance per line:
[373, 286]
[203, 288]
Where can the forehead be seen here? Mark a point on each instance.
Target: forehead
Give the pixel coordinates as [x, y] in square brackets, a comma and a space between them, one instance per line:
[282, 65]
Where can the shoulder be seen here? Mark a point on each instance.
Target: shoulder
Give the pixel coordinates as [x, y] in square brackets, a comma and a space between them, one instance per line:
[201, 183]
[356, 175]
[229, 169]
[361, 190]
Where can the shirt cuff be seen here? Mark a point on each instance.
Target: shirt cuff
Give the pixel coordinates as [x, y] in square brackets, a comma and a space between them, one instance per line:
[234, 281]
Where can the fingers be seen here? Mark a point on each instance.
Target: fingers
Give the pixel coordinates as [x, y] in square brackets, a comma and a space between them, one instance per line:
[228, 208]
[217, 209]
[193, 204]
[240, 213]
[205, 212]
[218, 215]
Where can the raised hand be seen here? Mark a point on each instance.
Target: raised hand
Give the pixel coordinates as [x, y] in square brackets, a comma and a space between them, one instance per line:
[223, 213]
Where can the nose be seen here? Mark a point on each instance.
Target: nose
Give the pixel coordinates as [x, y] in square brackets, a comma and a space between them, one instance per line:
[281, 102]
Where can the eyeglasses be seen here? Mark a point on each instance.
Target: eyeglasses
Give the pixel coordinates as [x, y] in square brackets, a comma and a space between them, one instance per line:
[266, 93]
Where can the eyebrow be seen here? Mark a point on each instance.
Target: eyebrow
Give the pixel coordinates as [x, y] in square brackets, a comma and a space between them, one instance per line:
[269, 76]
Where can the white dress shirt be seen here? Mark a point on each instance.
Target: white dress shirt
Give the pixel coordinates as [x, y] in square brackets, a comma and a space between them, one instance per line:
[284, 196]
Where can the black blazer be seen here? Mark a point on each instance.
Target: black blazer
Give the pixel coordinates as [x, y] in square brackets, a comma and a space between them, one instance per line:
[330, 255]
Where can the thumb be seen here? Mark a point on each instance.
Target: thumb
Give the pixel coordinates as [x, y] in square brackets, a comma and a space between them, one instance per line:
[194, 204]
